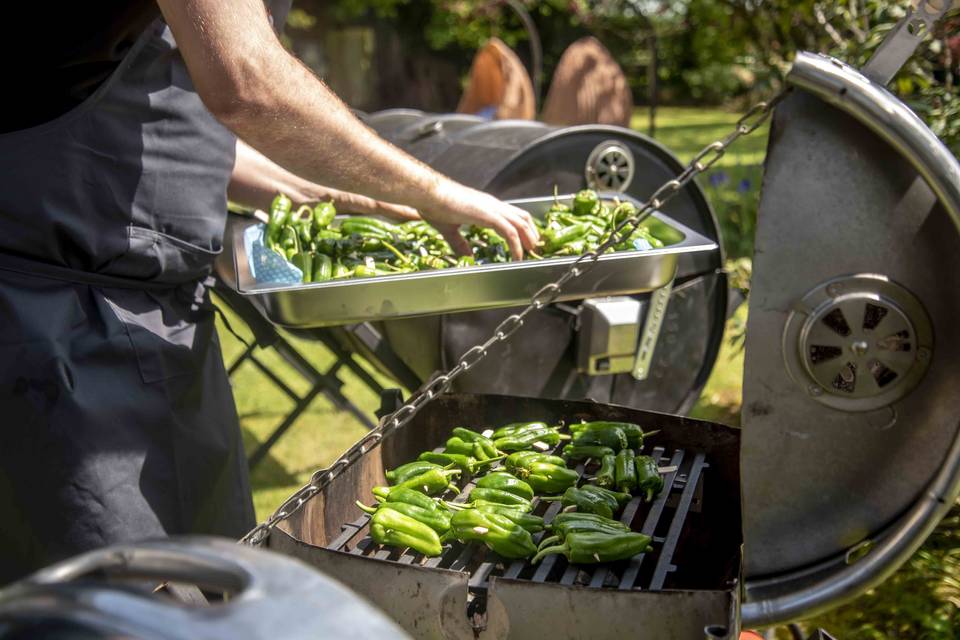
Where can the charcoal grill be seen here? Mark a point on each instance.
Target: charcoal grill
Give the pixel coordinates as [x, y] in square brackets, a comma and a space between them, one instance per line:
[851, 437]
[689, 581]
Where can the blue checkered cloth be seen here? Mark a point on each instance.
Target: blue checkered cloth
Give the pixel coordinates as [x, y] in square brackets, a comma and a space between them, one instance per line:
[266, 265]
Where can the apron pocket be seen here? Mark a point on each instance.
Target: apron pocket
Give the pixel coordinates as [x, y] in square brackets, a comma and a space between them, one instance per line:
[166, 344]
[153, 255]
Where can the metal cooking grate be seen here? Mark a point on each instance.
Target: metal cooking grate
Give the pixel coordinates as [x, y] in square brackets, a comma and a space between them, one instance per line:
[663, 520]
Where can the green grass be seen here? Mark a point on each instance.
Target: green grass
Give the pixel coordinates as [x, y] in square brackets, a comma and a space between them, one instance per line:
[920, 601]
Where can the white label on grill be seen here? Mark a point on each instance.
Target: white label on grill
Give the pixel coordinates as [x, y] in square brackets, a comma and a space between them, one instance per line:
[543, 446]
[368, 261]
[487, 433]
[667, 469]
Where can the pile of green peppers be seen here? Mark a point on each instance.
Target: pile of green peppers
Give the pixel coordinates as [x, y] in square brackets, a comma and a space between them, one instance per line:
[324, 248]
[508, 470]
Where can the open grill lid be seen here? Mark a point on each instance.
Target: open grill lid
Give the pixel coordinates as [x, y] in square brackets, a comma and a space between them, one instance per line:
[850, 410]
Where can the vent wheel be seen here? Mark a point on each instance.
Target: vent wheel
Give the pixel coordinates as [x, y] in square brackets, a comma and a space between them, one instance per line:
[864, 343]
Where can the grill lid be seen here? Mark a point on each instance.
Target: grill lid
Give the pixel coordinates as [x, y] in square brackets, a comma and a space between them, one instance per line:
[850, 413]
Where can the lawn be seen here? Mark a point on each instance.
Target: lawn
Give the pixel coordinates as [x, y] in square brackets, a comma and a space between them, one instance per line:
[920, 601]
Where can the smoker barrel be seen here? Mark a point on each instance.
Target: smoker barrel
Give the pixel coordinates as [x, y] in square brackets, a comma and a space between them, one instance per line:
[517, 159]
[689, 581]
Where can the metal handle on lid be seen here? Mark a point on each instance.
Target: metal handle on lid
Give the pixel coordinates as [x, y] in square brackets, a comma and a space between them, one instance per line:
[904, 39]
[155, 561]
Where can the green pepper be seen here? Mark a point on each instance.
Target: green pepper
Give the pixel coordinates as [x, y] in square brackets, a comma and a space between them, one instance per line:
[649, 479]
[429, 482]
[586, 202]
[499, 496]
[550, 478]
[615, 499]
[369, 228]
[517, 428]
[605, 476]
[585, 501]
[436, 519]
[279, 215]
[302, 222]
[323, 215]
[503, 481]
[592, 547]
[467, 435]
[468, 465]
[532, 523]
[409, 496]
[583, 452]
[304, 262]
[498, 532]
[457, 445]
[340, 270]
[538, 438]
[289, 242]
[409, 470]
[614, 438]
[519, 459]
[395, 529]
[555, 239]
[564, 524]
[625, 471]
[635, 434]
[570, 520]
[322, 267]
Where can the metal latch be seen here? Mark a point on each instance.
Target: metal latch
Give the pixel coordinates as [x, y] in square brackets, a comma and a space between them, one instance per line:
[607, 337]
[651, 331]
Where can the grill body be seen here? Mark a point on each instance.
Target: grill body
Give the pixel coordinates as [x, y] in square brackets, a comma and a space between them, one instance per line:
[690, 581]
[521, 159]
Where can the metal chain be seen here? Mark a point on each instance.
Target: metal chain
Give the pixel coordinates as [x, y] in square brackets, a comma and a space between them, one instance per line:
[438, 384]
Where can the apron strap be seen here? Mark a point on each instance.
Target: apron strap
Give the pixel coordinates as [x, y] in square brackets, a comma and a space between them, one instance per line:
[39, 269]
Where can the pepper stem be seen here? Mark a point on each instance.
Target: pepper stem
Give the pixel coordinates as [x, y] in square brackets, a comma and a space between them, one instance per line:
[649, 495]
[454, 488]
[364, 507]
[547, 542]
[481, 463]
[560, 548]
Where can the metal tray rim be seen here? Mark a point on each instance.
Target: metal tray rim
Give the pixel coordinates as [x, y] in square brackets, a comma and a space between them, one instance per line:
[691, 242]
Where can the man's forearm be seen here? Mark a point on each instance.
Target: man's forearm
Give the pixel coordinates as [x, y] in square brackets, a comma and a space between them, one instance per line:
[256, 180]
[268, 85]
[275, 104]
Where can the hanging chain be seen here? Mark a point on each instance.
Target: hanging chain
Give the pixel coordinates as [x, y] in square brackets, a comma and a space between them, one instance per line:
[710, 155]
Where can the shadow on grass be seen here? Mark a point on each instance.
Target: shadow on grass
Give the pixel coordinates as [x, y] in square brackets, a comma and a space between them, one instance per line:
[269, 472]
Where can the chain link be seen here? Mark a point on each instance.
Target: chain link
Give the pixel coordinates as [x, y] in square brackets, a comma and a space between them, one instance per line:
[706, 158]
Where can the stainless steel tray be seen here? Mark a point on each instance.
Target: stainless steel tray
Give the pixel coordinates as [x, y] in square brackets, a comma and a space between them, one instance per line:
[488, 286]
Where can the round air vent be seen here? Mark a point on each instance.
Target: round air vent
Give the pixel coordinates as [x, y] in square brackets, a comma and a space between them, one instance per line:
[858, 343]
[610, 167]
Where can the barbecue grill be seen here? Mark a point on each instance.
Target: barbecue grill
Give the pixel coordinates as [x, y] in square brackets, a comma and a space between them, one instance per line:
[690, 580]
[851, 444]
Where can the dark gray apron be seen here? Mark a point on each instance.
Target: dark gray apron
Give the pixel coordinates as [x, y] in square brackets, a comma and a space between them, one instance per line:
[117, 420]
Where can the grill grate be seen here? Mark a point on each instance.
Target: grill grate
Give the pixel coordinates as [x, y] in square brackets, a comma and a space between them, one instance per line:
[663, 520]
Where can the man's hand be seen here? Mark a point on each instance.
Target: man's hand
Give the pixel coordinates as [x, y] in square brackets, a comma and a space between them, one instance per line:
[257, 89]
[469, 206]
